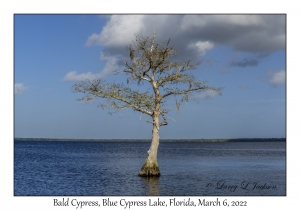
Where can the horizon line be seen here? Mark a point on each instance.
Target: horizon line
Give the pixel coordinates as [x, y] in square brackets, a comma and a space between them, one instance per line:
[143, 140]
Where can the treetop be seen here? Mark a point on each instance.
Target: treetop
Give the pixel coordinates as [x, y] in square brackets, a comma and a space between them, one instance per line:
[148, 62]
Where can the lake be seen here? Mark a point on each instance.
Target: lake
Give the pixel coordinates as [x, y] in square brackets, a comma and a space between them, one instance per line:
[79, 168]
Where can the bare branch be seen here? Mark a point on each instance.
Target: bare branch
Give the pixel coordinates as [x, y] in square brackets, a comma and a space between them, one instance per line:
[192, 90]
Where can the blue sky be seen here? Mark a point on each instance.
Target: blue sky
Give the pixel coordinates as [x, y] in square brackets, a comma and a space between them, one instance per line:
[244, 54]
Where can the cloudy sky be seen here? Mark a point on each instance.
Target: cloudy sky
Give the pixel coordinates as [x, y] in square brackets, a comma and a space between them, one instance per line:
[244, 54]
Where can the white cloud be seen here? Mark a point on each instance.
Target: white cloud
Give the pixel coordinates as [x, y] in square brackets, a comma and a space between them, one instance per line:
[119, 30]
[250, 33]
[20, 88]
[240, 20]
[190, 35]
[276, 77]
[192, 21]
[201, 47]
[111, 65]
[207, 94]
[73, 76]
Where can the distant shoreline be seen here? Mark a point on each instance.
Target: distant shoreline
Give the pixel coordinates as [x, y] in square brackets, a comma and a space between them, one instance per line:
[161, 140]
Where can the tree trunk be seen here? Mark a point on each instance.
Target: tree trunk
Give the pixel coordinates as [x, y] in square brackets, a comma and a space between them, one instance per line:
[150, 167]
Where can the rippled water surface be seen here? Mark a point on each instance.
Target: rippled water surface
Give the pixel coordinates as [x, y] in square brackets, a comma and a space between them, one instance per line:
[187, 168]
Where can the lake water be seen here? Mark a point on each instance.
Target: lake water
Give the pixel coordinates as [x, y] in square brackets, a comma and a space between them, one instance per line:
[71, 168]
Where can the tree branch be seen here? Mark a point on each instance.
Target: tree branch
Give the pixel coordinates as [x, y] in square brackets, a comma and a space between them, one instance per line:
[131, 70]
[142, 102]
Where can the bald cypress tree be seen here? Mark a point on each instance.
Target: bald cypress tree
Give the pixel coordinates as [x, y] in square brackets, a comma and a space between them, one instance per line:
[151, 63]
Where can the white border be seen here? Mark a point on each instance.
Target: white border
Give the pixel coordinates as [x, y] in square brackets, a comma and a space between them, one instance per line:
[9, 8]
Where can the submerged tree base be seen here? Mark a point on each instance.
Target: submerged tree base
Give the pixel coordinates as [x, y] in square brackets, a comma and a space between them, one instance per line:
[150, 169]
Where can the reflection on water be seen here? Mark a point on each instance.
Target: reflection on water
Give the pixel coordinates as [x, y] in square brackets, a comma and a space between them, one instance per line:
[111, 168]
[152, 185]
